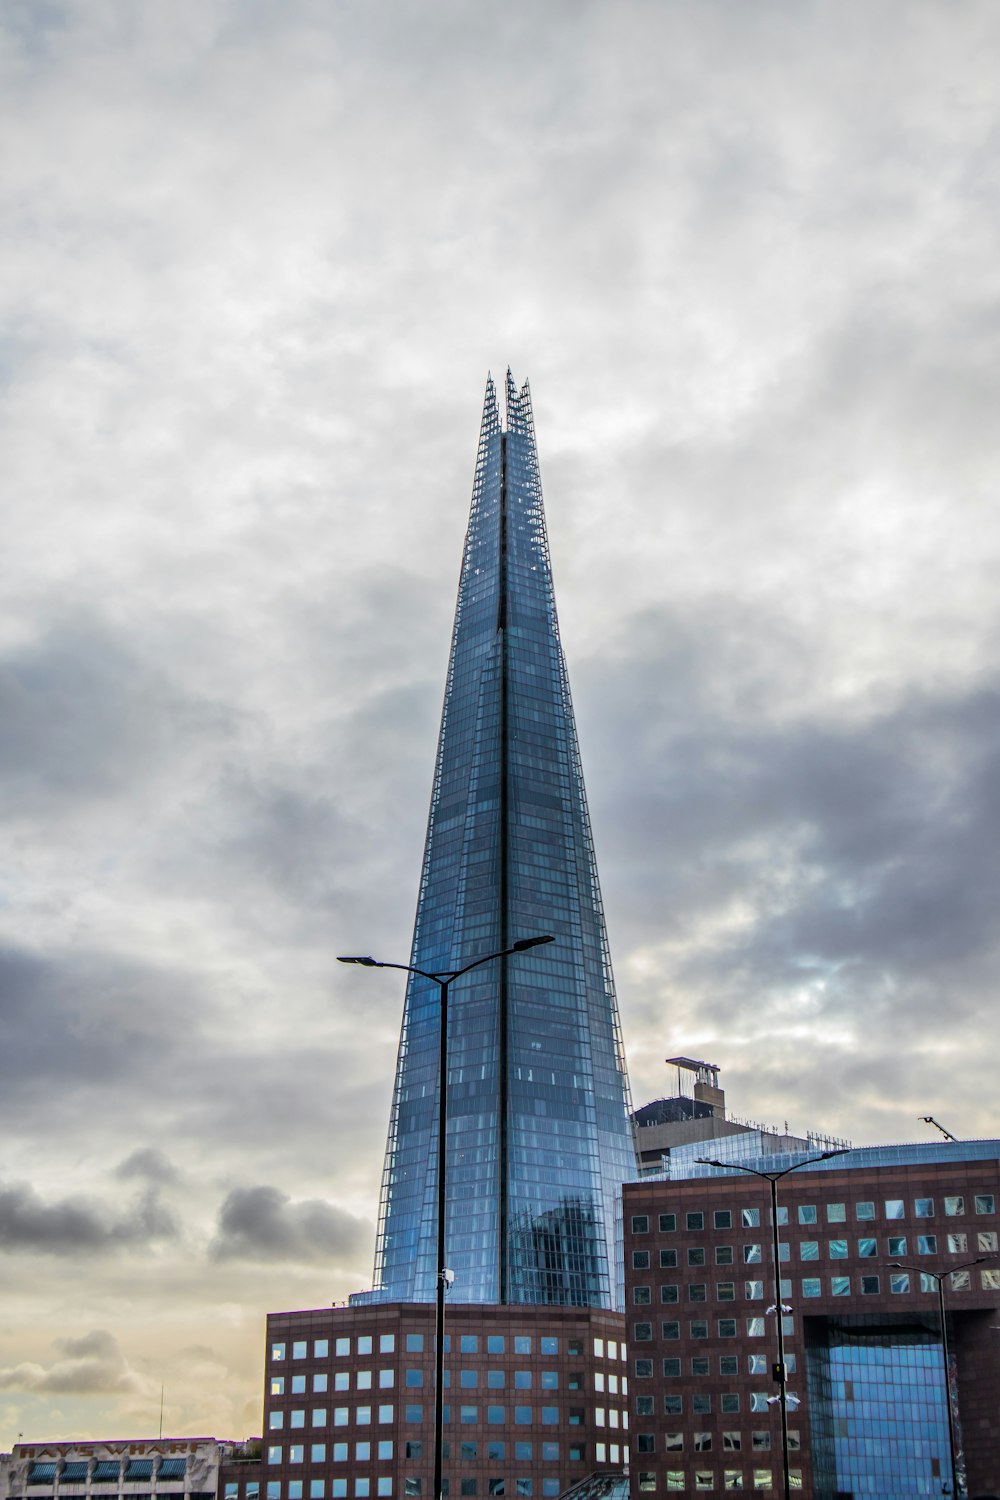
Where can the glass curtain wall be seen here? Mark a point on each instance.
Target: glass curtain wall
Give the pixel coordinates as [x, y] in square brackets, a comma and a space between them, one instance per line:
[539, 1138]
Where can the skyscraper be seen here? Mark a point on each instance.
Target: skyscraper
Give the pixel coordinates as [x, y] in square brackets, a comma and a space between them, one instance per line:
[539, 1137]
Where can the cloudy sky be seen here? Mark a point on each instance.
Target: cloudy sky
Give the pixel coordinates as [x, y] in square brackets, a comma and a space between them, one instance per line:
[257, 258]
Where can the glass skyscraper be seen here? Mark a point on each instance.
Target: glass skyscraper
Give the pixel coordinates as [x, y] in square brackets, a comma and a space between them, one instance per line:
[539, 1138]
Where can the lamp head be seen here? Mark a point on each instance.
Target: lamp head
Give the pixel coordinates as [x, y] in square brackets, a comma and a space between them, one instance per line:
[366, 960]
[523, 944]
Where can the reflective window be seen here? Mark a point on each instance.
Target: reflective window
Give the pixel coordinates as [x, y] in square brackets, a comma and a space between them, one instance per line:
[809, 1249]
[926, 1244]
[864, 1210]
[640, 1224]
[723, 1218]
[923, 1208]
[751, 1255]
[723, 1255]
[807, 1213]
[894, 1208]
[811, 1286]
[837, 1249]
[668, 1223]
[750, 1218]
[896, 1244]
[985, 1203]
[836, 1213]
[958, 1244]
[668, 1259]
[867, 1248]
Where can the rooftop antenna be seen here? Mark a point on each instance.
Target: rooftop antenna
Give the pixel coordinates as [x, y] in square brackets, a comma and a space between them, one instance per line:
[930, 1120]
[161, 1409]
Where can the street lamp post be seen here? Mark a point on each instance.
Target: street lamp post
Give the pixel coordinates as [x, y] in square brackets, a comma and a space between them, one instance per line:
[780, 1373]
[938, 1277]
[444, 978]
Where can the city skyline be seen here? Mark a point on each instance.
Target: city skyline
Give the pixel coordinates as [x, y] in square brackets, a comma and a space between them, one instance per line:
[258, 259]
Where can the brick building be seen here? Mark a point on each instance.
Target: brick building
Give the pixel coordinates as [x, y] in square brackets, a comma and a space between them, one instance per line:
[536, 1400]
[863, 1346]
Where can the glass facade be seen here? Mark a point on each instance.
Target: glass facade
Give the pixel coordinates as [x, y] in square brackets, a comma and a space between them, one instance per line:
[539, 1138]
[879, 1412]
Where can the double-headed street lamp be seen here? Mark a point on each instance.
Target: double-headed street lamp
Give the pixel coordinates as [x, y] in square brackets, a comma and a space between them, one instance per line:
[443, 979]
[939, 1278]
[780, 1373]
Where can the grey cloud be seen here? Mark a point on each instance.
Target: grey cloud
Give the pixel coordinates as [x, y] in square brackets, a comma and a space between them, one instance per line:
[91, 1365]
[149, 1163]
[79, 1226]
[261, 1223]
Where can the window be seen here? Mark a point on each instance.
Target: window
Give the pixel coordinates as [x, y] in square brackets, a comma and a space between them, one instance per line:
[986, 1239]
[274, 1489]
[640, 1223]
[896, 1244]
[340, 1453]
[274, 1453]
[958, 1244]
[647, 1481]
[643, 1368]
[495, 1380]
[668, 1223]
[751, 1255]
[961, 1281]
[923, 1208]
[697, 1291]
[414, 1343]
[671, 1368]
[869, 1286]
[926, 1244]
[468, 1379]
[837, 1249]
[669, 1291]
[641, 1295]
[386, 1343]
[730, 1402]
[696, 1255]
[727, 1328]
[840, 1286]
[641, 1334]
[809, 1249]
[723, 1255]
[277, 1351]
[836, 1213]
[756, 1364]
[342, 1346]
[645, 1442]
[495, 1416]
[695, 1221]
[468, 1451]
[320, 1383]
[469, 1343]
[668, 1260]
[364, 1380]
[365, 1343]
[990, 1280]
[723, 1218]
[522, 1415]
[985, 1203]
[753, 1290]
[414, 1377]
[468, 1415]
[864, 1210]
[414, 1414]
[699, 1365]
[319, 1416]
[363, 1415]
[895, 1208]
[755, 1328]
[385, 1413]
[362, 1452]
[640, 1260]
[899, 1281]
[701, 1406]
[699, 1328]
[732, 1442]
[550, 1416]
[750, 1218]
[867, 1249]
[277, 1385]
[298, 1418]
[522, 1380]
[729, 1364]
[275, 1420]
[811, 1286]
[807, 1213]
[299, 1348]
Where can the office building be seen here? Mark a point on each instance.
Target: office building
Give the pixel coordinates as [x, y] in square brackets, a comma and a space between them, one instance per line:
[539, 1136]
[130, 1469]
[861, 1238]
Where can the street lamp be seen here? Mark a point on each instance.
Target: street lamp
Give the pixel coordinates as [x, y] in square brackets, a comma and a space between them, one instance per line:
[938, 1277]
[443, 979]
[782, 1399]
